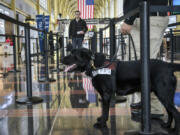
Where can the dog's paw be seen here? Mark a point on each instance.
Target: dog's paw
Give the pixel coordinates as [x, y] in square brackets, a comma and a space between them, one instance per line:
[99, 119]
[173, 132]
[99, 125]
[166, 125]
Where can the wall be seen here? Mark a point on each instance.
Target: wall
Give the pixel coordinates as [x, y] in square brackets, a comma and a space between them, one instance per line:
[26, 7]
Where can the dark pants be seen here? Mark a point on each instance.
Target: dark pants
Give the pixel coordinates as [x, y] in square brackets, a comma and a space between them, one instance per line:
[51, 49]
[77, 43]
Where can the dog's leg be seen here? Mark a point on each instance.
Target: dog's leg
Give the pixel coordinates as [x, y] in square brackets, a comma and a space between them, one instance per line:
[172, 112]
[169, 100]
[165, 90]
[176, 116]
[169, 122]
[101, 121]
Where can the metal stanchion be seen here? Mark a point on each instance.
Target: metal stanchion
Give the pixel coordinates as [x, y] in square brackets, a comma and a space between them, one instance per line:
[14, 55]
[145, 60]
[129, 47]
[101, 40]
[18, 41]
[62, 50]
[38, 61]
[145, 75]
[104, 45]
[29, 99]
[57, 55]
[47, 79]
[112, 38]
[94, 43]
[37, 48]
[172, 45]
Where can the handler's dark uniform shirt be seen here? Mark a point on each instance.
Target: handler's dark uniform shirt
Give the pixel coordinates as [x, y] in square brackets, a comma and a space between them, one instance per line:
[77, 26]
[133, 4]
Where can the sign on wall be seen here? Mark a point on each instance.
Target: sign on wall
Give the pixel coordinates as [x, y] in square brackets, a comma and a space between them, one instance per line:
[42, 24]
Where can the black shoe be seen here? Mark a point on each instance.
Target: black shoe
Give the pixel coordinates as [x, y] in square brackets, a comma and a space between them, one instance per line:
[136, 106]
[136, 116]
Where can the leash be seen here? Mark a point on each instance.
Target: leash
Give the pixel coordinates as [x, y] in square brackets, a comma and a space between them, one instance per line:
[133, 46]
[115, 56]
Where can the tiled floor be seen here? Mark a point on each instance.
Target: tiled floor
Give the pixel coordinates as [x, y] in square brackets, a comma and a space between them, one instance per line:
[68, 108]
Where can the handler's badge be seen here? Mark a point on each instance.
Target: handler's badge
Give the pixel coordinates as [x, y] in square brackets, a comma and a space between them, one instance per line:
[103, 71]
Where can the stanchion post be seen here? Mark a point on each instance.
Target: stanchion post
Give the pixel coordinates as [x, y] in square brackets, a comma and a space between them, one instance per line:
[28, 63]
[46, 55]
[101, 40]
[172, 45]
[14, 54]
[145, 60]
[145, 71]
[62, 55]
[37, 50]
[57, 51]
[18, 41]
[57, 54]
[94, 43]
[29, 99]
[129, 47]
[47, 79]
[112, 38]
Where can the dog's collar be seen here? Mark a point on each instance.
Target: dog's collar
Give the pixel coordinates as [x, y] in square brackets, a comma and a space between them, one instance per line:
[92, 64]
[92, 57]
[92, 61]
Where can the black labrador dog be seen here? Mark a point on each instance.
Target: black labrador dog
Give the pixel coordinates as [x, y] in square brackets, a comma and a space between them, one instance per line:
[128, 80]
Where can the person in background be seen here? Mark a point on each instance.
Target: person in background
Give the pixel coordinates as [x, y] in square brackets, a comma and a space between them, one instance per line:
[61, 30]
[158, 24]
[51, 43]
[77, 30]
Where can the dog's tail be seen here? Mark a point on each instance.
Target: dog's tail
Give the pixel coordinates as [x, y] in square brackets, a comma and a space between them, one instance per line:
[176, 67]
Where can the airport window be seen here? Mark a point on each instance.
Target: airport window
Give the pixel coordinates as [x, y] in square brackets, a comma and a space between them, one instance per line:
[43, 3]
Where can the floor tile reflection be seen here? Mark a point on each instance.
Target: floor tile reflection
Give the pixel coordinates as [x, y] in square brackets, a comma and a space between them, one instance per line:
[71, 105]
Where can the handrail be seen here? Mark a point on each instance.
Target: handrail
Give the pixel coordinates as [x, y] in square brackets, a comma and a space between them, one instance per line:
[164, 8]
[14, 21]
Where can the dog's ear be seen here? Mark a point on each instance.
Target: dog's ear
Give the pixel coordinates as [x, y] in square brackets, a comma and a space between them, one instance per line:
[87, 53]
[73, 51]
[90, 55]
[99, 59]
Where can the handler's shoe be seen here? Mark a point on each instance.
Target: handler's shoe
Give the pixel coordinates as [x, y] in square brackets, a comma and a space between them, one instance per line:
[136, 106]
[136, 116]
